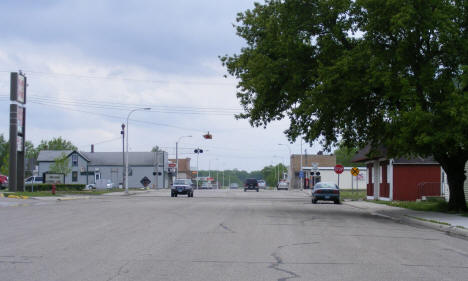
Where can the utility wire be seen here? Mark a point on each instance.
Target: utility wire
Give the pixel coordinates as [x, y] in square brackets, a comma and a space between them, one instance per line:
[87, 76]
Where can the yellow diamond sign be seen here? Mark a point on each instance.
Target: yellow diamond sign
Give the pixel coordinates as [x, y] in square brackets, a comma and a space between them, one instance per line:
[355, 171]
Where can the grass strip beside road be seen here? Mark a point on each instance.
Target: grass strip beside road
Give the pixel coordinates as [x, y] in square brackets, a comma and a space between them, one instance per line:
[353, 195]
[426, 206]
[60, 193]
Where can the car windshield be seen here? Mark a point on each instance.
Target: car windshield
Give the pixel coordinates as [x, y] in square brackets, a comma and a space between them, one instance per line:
[325, 185]
[182, 182]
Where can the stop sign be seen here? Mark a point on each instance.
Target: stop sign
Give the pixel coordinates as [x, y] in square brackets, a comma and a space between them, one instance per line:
[339, 169]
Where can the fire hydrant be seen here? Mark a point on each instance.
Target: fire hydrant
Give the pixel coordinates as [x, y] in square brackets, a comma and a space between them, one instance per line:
[53, 189]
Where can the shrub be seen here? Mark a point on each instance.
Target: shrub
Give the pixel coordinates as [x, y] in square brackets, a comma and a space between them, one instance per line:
[58, 187]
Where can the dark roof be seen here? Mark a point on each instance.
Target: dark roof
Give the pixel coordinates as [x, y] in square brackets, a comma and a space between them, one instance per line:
[363, 154]
[415, 160]
[103, 158]
[381, 152]
[51, 155]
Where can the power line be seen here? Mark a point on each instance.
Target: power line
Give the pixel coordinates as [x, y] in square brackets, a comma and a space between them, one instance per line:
[87, 76]
[120, 118]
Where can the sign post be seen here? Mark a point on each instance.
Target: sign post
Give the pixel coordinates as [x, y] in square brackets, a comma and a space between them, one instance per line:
[354, 173]
[17, 131]
[339, 169]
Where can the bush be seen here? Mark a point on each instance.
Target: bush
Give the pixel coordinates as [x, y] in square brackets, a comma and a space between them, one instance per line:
[58, 187]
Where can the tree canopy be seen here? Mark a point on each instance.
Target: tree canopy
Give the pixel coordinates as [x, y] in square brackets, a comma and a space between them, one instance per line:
[379, 72]
[56, 144]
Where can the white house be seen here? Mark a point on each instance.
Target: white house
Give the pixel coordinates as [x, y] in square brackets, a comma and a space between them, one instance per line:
[87, 167]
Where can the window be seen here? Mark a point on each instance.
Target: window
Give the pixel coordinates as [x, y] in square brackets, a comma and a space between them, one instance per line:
[75, 160]
[74, 176]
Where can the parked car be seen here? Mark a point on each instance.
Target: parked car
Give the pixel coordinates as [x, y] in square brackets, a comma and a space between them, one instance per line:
[104, 184]
[282, 185]
[34, 180]
[182, 186]
[251, 184]
[3, 181]
[261, 184]
[328, 191]
[90, 186]
[233, 186]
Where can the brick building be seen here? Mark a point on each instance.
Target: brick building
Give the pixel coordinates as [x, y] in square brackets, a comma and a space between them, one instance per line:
[308, 160]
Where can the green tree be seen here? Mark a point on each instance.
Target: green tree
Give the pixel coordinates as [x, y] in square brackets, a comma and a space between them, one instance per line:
[4, 155]
[155, 148]
[378, 72]
[61, 165]
[344, 155]
[56, 144]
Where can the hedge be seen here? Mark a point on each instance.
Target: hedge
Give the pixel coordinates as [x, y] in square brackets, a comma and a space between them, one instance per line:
[58, 187]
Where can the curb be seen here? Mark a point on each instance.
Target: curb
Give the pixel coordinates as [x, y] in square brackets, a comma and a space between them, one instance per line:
[408, 220]
[72, 198]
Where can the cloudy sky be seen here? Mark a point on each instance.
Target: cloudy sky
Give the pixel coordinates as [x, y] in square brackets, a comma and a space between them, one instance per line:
[89, 63]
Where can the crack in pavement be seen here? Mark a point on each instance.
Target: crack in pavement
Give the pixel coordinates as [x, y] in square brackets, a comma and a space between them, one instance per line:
[226, 228]
[119, 271]
[279, 261]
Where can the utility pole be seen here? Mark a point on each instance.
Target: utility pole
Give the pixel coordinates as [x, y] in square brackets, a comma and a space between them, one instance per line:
[123, 156]
[198, 151]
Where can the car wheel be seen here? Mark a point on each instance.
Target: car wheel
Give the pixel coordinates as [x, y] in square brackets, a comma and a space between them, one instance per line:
[337, 201]
[245, 190]
[175, 194]
[314, 201]
[257, 189]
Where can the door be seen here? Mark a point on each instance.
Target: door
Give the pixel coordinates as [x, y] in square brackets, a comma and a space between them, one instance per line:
[97, 176]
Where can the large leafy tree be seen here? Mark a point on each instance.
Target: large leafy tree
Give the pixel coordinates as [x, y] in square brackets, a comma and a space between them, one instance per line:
[56, 144]
[379, 72]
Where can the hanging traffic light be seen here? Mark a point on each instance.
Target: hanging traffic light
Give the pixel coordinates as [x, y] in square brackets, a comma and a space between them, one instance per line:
[208, 136]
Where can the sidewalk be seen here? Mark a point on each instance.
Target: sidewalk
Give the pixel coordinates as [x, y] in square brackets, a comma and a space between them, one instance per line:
[449, 223]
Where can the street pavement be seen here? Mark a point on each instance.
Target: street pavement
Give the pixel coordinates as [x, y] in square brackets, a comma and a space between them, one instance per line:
[217, 235]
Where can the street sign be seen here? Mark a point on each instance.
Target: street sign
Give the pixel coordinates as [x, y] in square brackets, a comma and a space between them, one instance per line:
[355, 171]
[301, 174]
[339, 169]
[145, 181]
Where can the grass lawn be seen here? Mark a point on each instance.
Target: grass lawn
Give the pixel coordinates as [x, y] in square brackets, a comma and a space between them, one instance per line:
[352, 195]
[428, 206]
[60, 193]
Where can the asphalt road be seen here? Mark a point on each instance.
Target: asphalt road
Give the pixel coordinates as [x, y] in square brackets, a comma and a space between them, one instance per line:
[217, 235]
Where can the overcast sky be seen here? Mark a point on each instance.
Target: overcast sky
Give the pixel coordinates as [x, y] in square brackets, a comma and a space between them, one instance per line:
[89, 63]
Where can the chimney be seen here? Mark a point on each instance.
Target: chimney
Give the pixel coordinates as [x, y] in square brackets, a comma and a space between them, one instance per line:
[92, 148]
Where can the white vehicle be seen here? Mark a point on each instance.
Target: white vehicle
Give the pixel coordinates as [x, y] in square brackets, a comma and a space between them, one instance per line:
[261, 184]
[104, 184]
[283, 185]
[34, 180]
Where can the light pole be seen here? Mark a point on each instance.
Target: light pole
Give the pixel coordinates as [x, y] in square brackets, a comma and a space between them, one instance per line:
[290, 164]
[126, 158]
[177, 154]
[123, 154]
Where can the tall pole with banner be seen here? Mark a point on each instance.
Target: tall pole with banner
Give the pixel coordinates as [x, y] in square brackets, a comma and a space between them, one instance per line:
[17, 131]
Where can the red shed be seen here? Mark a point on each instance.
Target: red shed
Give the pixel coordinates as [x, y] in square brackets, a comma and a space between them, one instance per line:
[400, 179]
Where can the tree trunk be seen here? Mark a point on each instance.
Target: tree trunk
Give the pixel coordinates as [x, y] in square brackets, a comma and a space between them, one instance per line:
[454, 167]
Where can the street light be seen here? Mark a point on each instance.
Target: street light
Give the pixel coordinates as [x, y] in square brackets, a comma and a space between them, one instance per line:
[126, 160]
[177, 155]
[290, 167]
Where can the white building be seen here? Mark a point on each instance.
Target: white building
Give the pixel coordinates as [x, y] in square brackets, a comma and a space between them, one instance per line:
[87, 167]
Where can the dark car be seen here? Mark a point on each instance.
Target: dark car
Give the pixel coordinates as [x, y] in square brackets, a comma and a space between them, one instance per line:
[182, 186]
[251, 184]
[327, 191]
